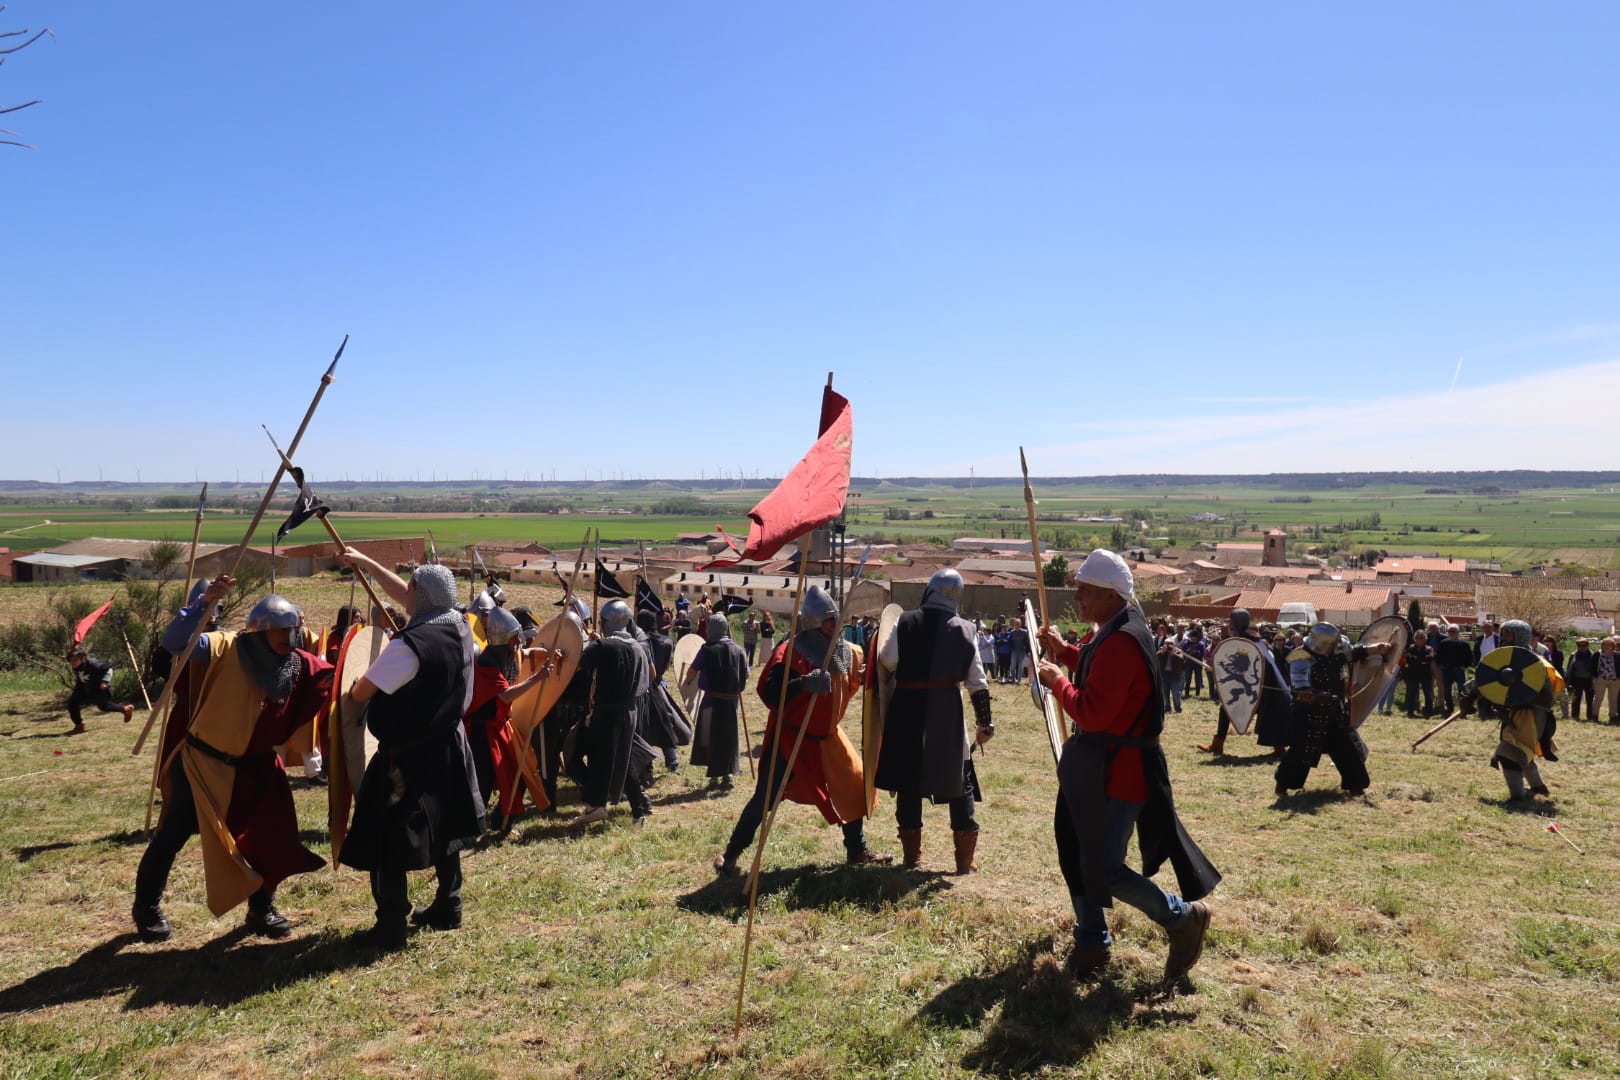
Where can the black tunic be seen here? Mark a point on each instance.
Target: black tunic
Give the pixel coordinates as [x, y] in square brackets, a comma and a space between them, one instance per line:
[418, 800]
[617, 669]
[724, 672]
[924, 736]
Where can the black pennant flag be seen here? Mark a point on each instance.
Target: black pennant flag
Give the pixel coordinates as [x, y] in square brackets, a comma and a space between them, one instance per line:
[731, 604]
[646, 599]
[607, 586]
[308, 506]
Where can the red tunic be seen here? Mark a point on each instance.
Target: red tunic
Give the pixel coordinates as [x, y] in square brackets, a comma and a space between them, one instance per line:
[1115, 693]
[488, 682]
[827, 772]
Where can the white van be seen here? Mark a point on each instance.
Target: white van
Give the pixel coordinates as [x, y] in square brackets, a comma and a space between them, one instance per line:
[1302, 614]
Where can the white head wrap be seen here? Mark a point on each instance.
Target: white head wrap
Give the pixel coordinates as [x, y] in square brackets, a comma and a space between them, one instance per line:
[1107, 570]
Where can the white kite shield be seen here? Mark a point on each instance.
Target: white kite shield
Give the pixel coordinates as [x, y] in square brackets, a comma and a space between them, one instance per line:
[1044, 701]
[1240, 677]
[1369, 678]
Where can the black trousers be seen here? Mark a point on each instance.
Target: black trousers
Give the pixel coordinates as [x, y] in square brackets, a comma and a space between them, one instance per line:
[547, 741]
[179, 825]
[84, 695]
[908, 807]
[391, 892]
[1338, 742]
[1414, 684]
[753, 813]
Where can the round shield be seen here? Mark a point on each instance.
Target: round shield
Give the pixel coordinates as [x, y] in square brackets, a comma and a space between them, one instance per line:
[1372, 676]
[1240, 677]
[529, 708]
[351, 743]
[680, 662]
[1510, 676]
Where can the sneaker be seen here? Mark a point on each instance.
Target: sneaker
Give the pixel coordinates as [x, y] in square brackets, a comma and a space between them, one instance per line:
[435, 917]
[379, 938]
[867, 857]
[590, 815]
[1187, 941]
[267, 922]
[150, 924]
[1087, 960]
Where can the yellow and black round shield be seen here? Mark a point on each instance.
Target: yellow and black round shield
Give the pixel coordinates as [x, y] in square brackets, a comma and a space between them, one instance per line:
[1511, 676]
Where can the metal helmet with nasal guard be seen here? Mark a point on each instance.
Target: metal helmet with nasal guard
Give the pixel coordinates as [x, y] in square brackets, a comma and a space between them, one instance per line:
[274, 612]
[501, 627]
[1515, 632]
[1323, 640]
[616, 616]
[817, 607]
[944, 590]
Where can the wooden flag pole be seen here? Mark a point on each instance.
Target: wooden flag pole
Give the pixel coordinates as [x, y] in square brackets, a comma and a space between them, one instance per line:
[336, 539]
[175, 665]
[247, 538]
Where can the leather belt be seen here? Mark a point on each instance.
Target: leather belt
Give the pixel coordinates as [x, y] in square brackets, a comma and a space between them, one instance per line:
[219, 755]
[717, 696]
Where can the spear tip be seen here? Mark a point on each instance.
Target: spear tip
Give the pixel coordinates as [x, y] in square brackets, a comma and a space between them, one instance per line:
[331, 371]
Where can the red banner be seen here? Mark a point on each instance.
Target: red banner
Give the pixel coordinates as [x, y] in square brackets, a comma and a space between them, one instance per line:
[809, 496]
[88, 621]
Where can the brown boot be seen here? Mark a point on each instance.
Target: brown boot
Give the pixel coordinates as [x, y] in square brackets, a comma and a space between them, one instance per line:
[1217, 746]
[910, 848]
[966, 842]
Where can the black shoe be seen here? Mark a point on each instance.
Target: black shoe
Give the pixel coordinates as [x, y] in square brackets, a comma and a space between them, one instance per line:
[150, 923]
[267, 922]
[318, 780]
[379, 938]
[435, 917]
[1281, 789]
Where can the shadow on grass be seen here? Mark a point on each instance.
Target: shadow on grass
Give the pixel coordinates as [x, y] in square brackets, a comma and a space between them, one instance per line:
[813, 886]
[1546, 808]
[1046, 1018]
[1311, 802]
[126, 838]
[220, 972]
[1228, 761]
[702, 794]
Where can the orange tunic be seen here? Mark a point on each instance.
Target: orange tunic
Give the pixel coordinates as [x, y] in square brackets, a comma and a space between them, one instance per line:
[827, 773]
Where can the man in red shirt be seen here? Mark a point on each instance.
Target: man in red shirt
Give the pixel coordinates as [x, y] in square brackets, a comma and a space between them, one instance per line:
[1113, 780]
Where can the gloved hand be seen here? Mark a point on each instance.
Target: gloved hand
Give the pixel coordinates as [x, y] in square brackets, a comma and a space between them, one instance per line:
[818, 682]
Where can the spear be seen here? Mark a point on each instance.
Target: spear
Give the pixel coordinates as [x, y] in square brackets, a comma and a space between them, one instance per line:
[175, 664]
[135, 664]
[286, 463]
[247, 538]
[523, 748]
[1035, 549]
[1421, 739]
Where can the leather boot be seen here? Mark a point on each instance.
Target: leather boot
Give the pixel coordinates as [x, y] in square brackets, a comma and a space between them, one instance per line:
[910, 848]
[1217, 746]
[966, 842]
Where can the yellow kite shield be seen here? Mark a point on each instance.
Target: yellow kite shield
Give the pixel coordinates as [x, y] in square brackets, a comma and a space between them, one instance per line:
[351, 744]
[875, 701]
[1369, 678]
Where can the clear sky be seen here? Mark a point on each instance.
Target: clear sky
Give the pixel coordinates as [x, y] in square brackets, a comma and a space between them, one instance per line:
[634, 238]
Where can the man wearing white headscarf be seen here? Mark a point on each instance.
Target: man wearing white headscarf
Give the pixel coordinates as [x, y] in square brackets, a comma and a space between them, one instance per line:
[1112, 778]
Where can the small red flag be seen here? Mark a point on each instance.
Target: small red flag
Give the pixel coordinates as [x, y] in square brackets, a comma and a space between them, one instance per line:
[88, 621]
[809, 496]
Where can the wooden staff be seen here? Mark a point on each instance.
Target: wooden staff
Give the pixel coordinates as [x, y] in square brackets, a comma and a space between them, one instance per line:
[1435, 730]
[1034, 537]
[247, 538]
[175, 665]
[596, 580]
[1207, 666]
[134, 663]
[524, 750]
[336, 539]
[748, 740]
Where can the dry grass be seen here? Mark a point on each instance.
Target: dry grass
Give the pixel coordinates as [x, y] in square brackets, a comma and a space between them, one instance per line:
[1422, 931]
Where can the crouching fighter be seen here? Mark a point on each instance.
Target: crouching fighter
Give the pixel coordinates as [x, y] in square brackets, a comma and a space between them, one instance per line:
[827, 773]
[1113, 780]
[1317, 671]
[247, 692]
[926, 751]
[1525, 730]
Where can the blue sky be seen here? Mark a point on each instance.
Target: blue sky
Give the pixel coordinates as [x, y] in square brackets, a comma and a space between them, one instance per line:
[635, 238]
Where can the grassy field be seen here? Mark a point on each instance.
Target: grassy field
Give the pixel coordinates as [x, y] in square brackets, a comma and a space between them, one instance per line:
[1422, 931]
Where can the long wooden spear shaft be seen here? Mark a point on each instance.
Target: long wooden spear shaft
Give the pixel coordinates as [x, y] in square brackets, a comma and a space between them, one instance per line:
[596, 581]
[568, 595]
[247, 538]
[175, 666]
[331, 531]
[1436, 729]
[135, 664]
[1034, 538]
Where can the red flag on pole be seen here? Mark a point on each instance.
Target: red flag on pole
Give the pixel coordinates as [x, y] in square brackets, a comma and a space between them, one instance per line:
[88, 621]
[809, 496]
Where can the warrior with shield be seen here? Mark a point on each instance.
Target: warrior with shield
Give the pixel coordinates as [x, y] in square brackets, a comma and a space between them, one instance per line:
[487, 723]
[822, 679]
[245, 694]
[603, 759]
[926, 750]
[1321, 723]
[720, 670]
[1264, 686]
[1518, 689]
[1112, 777]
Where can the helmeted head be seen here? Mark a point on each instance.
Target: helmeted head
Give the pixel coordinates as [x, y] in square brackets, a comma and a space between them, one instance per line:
[944, 590]
[1240, 620]
[1515, 632]
[718, 629]
[501, 627]
[816, 608]
[433, 590]
[494, 593]
[483, 604]
[1323, 639]
[616, 616]
[279, 620]
[647, 620]
[579, 611]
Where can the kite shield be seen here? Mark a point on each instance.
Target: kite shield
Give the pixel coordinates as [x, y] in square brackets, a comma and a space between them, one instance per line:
[875, 701]
[1044, 701]
[1240, 677]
